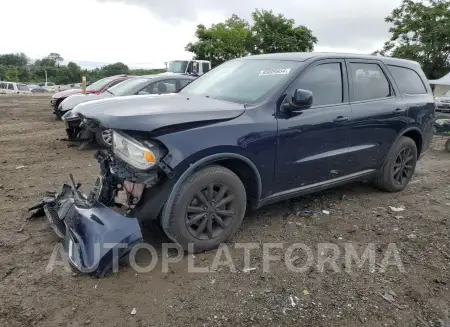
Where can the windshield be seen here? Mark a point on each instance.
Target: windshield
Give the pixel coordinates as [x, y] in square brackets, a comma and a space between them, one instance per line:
[100, 84]
[178, 67]
[242, 81]
[127, 87]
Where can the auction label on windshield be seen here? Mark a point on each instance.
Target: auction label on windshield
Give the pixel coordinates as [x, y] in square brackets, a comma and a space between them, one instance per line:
[279, 71]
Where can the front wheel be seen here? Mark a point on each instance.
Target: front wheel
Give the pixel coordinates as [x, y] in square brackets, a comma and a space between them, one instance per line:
[104, 138]
[398, 167]
[208, 209]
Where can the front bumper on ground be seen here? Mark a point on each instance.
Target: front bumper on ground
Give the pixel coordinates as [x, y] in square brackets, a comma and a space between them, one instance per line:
[95, 236]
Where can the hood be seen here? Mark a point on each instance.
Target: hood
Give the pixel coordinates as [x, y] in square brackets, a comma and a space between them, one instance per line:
[66, 93]
[70, 102]
[147, 113]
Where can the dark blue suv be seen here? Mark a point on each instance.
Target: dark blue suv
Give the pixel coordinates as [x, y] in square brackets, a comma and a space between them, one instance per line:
[253, 131]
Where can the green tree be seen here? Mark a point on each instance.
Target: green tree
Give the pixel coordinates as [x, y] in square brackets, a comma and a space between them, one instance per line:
[275, 33]
[114, 69]
[421, 31]
[222, 42]
[73, 72]
[236, 38]
[14, 59]
[56, 57]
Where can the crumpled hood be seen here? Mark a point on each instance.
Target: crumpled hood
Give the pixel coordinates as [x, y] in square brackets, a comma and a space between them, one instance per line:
[66, 93]
[70, 102]
[150, 112]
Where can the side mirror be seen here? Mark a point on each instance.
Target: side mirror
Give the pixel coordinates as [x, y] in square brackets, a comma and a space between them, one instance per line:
[301, 99]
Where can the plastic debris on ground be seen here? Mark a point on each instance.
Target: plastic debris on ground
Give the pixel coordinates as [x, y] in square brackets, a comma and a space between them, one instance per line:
[397, 209]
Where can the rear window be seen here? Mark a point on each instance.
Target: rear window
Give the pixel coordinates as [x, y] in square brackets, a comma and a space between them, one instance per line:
[408, 81]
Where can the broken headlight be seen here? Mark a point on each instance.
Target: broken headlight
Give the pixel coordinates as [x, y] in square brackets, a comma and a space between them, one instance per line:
[135, 153]
[69, 115]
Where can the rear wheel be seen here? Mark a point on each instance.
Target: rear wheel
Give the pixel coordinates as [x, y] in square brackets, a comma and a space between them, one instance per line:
[208, 209]
[104, 138]
[398, 167]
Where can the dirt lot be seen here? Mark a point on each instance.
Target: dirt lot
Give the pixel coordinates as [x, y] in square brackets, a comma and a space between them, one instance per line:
[32, 296]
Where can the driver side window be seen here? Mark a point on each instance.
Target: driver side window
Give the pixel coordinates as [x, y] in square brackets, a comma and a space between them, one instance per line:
[325, 82]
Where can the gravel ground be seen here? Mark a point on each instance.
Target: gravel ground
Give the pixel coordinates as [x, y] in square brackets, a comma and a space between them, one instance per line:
[34, 158]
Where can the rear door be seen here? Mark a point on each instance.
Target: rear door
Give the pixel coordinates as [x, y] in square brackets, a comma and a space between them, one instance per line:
[379, 113]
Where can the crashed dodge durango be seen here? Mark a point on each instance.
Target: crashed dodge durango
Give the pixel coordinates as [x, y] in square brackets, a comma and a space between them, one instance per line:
[251, 132]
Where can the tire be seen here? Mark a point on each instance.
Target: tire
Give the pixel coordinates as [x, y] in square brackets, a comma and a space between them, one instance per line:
[101, 139]
[389, 181]
[219, 224]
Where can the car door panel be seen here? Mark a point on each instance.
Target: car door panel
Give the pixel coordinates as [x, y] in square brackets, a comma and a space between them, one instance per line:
[377, 117]
[312, 144]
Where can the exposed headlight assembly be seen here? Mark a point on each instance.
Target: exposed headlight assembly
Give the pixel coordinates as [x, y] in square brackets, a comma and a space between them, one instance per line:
[69, 115]
[134, 153]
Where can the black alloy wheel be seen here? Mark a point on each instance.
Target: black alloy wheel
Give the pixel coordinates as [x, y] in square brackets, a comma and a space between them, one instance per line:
[210, 212]
[403, 166]
[208, 209]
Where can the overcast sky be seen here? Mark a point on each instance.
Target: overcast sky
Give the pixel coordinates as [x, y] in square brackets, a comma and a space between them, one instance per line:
[148, 32]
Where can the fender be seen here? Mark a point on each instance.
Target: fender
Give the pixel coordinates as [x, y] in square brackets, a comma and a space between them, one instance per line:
[200, 163]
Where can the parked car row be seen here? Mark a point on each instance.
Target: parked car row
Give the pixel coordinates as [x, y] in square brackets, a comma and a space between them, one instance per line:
[22, 88]
[250, 132]
[142, 85]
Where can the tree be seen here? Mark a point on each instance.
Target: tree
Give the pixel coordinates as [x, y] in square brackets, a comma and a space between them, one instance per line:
[275, 33]
[421, 32]
[56, 57]
[14, 59]
[235, 37]
[115, 69]
[73, 72]
[222, 42]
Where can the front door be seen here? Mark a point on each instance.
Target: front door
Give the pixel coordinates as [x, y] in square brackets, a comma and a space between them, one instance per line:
[313, 143]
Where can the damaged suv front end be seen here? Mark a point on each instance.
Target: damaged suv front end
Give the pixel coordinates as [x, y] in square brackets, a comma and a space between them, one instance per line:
[135, 180]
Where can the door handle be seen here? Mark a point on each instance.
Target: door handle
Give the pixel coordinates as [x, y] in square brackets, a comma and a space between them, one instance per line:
[399, 111]
[340, 119]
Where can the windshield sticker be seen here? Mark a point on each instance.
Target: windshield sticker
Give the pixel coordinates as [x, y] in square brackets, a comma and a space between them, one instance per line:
[279, 71]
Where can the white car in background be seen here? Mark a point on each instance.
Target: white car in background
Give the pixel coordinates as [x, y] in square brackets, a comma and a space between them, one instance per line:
[50, 86]
[14, 88]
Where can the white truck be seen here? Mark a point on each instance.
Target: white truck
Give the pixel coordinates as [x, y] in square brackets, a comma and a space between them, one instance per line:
[190, 67]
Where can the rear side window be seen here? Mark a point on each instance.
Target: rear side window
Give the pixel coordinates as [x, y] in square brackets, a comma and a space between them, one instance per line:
[325, 82]
[408, 81]
[10, 86]
[369, 82]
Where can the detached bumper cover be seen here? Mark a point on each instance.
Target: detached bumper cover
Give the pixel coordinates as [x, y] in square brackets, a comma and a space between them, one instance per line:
[95, 236]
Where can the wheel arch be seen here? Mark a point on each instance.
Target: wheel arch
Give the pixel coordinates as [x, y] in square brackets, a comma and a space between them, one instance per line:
[415, 134]
[237, 163]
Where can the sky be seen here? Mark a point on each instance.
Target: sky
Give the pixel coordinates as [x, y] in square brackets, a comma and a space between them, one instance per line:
[147, 33]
